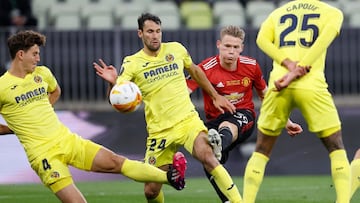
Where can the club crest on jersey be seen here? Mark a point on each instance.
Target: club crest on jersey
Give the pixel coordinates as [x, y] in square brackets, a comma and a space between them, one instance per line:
[152, 160]
[169, 58]
[37, 79]
[55, 174]
[245, 81]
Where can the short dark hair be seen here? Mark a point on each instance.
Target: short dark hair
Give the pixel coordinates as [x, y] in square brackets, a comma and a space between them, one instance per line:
[24, 40]
[147, 16]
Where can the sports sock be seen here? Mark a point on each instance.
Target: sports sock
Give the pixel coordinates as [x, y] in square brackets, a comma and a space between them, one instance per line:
[254, 174]
[143, 172]
[159, 199]
[226, 184]
[340, 171]
[226, 136]
[355, 176]
[218, 191]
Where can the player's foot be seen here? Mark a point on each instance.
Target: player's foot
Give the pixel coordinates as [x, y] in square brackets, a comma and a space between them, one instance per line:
[215, 141]
[176, 173]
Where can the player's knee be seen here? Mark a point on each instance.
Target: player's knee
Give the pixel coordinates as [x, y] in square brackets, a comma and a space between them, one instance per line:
[151, 193]
[110, 163]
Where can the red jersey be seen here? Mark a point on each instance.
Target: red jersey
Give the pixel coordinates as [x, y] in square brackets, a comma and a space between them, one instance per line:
[236, 86]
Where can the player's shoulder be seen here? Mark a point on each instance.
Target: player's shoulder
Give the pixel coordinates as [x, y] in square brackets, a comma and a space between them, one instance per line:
[41, 68]
[209, 63]
[173, 47]
[247, 60]
[172, 44]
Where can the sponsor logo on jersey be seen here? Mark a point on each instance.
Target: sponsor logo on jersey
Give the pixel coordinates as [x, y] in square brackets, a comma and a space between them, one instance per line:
[146, 64]
[162, 72]
[220, 84]
[13, 87]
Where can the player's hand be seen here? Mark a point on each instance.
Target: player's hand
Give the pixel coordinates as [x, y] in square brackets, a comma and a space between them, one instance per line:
[293, 129]
[296, 73]
[223, 104]
[107, 72]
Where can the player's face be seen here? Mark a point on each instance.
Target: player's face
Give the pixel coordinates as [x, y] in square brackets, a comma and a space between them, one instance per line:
[151, 35]
[230, 48]
[30, 58]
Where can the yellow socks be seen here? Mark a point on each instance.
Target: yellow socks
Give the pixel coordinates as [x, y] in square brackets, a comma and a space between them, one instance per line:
[226, 184]
[340, 171]
[159, 199]
[143, 172]
[355, 176]
[254, 174]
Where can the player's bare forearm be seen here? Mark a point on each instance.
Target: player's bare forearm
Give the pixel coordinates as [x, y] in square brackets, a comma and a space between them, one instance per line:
[220, 102]
[5, 130]
[54, 95]
[294, 74]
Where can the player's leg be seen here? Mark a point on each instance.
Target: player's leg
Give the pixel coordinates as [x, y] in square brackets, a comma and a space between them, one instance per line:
[233, 130]
[274, 113]
[202, 151]
[53, 171]
[340, 168]
[256, 165]
[161, 150]
[321, 115]
[196, 143]
[69, 194]
[96, 158]
[355, 173]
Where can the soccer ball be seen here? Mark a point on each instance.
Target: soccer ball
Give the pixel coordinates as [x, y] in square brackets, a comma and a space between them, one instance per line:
[125, 97]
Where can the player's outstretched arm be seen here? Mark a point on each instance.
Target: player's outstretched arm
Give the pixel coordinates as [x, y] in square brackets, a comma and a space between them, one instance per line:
[220, 102]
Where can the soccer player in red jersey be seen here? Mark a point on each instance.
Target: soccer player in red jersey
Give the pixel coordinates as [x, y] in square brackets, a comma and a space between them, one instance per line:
[233, 76]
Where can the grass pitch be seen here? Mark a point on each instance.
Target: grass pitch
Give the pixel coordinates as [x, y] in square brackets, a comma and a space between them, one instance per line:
[275, 189]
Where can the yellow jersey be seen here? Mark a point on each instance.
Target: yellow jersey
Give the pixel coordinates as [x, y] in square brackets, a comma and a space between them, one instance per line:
[162, 83]
[25, 106]
[297, 31]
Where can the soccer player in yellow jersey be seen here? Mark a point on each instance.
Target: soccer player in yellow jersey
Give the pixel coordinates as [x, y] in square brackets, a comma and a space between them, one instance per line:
[27, 93]
[355, 173]
[296, 36]
[172, 121]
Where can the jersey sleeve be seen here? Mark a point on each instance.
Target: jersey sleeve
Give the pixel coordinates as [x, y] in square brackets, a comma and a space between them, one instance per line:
[259, 81]
[49, 78]
[185, 56]
[125, 71]
[328, 34]
[265, 41]
[191, 84]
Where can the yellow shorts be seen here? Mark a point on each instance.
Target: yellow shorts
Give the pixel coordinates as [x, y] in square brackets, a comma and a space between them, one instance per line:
[161, 146]
[316, 106]
[52, 166]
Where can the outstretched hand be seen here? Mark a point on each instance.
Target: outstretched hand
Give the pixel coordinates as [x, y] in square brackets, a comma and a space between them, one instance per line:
[223, 104]
[107, 72]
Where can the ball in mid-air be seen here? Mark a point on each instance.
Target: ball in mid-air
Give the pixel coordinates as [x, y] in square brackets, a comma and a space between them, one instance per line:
[125, 97]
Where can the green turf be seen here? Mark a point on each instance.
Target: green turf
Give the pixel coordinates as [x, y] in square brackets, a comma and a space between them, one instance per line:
[275, 189]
